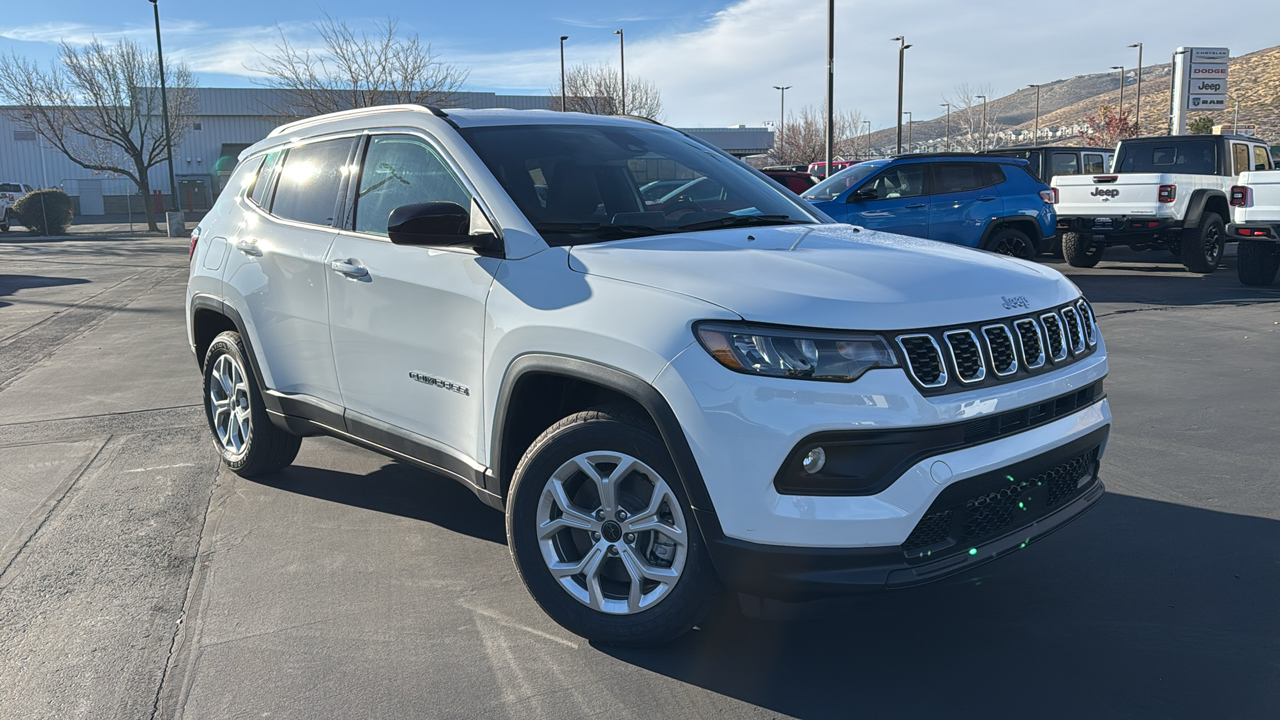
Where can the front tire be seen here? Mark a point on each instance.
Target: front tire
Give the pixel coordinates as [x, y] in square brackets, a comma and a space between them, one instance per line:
[4, 222]
[603, 535]
[1080, 250]
[1014, 243]
[1203, 245]
[245, 437]
[1257, 262]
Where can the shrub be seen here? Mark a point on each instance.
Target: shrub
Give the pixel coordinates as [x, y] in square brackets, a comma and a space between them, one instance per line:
[33, 208]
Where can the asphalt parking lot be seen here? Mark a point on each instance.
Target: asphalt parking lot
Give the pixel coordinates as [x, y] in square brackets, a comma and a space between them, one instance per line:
[138, 579]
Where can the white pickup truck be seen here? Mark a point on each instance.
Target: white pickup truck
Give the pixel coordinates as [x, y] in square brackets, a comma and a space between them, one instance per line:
[10, 193]
[1255, 222]
[1164, 192]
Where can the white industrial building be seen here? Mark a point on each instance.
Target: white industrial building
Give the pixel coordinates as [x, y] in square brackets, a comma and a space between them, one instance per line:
[228, 121]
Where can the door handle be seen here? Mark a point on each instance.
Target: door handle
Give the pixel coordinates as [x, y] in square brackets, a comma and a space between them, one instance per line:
[349, 268]
[914, 206]
[986, 198]
[249, 247]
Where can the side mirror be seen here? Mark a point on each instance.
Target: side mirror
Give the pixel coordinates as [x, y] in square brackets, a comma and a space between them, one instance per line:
[438, 224]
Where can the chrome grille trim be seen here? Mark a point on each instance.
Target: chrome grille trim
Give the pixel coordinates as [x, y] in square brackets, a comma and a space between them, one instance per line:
[1032, 362]
[942, 368]
[1050, 322]
[1077, 334]
[1012, 367]
[955, 362]
[1090, 322]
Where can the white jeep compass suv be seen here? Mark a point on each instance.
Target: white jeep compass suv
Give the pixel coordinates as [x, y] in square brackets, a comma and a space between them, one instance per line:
[664, 396]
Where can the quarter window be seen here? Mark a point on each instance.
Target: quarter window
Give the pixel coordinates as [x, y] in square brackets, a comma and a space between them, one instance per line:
[402, 170]
[309, 182]
[261, 193]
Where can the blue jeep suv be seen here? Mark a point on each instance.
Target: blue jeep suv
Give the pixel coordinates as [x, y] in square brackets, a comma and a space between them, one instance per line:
[981, 201]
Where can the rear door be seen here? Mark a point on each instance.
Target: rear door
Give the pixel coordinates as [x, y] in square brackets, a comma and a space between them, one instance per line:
[893, 201]
[964, 201]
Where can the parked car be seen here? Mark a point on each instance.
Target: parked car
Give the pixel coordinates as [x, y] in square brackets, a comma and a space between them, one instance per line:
[1255, 223]
[796, 182]
[819, 169]
[1166, 192]
[10, 193]
[661, 401]
[980, 201]
[1048, 161]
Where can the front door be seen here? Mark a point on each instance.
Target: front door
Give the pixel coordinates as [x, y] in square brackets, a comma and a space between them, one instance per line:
[408, 322]
[893, 201]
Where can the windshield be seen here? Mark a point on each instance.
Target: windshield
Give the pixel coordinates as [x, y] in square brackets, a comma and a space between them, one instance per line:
[582, 183]
[834, 186]
[1195, 157]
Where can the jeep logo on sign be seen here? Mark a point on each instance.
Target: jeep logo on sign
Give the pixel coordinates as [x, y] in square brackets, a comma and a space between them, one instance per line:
[1105, 193]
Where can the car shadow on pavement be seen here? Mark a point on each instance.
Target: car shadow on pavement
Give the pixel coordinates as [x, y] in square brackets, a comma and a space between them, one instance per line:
[397, 489]
[10, 284]
[1139, 609]
[1164, 283]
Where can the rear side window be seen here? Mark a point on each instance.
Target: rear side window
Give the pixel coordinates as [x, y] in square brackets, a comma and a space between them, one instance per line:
[1064, 163]
[956, 177]
[309, 182]
[261, 193]
[244, 176]
[402, 170]
[1261, 158]
[994, 173]
[1094, 164]
[1240, 152]
[1196, 157]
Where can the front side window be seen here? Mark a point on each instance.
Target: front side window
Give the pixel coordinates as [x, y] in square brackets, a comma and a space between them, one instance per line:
[589, 183]
[309, 182]
[1064, 163]
[902, 181]
[1094, 164]
[402, 170]
[835, 186]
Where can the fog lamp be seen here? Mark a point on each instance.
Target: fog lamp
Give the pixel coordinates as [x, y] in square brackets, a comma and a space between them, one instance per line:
[814, 460]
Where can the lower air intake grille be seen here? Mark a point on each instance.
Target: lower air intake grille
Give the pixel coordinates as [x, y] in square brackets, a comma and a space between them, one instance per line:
[975, 511]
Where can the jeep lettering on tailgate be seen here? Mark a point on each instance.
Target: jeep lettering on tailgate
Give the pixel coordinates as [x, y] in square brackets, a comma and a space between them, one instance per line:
[1107, 193]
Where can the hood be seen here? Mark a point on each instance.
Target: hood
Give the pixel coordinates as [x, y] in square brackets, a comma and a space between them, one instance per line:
[830, 276]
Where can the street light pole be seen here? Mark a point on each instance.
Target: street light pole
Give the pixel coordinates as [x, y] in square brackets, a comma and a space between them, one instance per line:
[1121, 69]
[902, 53]
[1036, 141]
[831, 83]
[564, 106]
[782, 122]
[1137, 113]
[910, 120]
[622, 58]
[947, 105]
[866, 136]
[164, 106]
[982, 142]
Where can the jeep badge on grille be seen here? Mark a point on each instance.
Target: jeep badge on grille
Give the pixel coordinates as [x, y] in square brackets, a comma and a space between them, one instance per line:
[1016, 301]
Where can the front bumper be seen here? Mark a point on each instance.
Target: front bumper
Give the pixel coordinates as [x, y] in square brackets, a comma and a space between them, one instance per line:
[1250, 231]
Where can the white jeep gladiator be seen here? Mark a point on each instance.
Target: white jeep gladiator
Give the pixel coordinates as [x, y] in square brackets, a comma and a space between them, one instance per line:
[1164, 192]
[1255, 222]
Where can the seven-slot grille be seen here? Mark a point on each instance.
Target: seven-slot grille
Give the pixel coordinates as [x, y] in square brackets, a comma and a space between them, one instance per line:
[998, 351]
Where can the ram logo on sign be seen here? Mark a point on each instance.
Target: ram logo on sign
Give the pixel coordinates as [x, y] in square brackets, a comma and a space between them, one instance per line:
[1207, 102]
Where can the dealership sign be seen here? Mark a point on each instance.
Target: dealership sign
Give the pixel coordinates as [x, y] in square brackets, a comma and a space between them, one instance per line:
[1200, 82]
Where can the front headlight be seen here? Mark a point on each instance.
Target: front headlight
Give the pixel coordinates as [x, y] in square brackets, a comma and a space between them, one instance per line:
[805, 354]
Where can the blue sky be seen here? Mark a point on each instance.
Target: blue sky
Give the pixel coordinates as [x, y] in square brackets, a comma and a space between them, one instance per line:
[715, 61]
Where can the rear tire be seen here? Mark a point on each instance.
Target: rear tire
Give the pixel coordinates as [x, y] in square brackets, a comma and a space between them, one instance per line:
[245, 437]
[1080, 250]
[603, 535]
[1257, 262]
[1203, 245]
[1014, 243]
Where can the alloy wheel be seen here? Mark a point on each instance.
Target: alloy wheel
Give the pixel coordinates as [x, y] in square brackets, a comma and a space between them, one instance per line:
[1212, 245]
[229, 404]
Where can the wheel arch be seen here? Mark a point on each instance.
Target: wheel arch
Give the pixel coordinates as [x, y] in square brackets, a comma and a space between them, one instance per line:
[211, 316]
[1023, 223]
[1206, 200]
[539, 389]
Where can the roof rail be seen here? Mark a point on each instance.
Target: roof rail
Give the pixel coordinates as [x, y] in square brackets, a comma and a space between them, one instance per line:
[357, 112]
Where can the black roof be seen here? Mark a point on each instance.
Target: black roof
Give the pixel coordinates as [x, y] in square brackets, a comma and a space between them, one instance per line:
[968, 155]
[1048, 147]
[1167, 138]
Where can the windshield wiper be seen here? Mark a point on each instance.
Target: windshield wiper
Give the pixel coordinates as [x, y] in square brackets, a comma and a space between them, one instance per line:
[742, 221]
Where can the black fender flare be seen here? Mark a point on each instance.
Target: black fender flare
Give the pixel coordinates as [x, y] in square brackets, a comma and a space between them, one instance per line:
[1037, 238]
[1195, 207]
[221, 307]
[619, 381]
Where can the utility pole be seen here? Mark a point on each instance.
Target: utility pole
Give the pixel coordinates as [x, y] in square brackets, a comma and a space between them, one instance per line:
[947, 105]
[564, 106]
[782, 122]
[1137, 113]
[902, 53]
[831, 83]
[910, 121]
[164, 105]
[866, 136]
[622, 58]
[1036, 140]
[982, 142]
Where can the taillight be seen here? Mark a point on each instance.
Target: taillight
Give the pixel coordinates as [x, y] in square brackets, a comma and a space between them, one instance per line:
[1240, 195]
[1167, 194]
[195, 237]
[1049, 196]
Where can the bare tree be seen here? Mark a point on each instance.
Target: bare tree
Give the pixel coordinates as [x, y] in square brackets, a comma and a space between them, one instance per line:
[100, 106]
[356, 69]
[804, 138]
[597, 90]
[967, 108]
